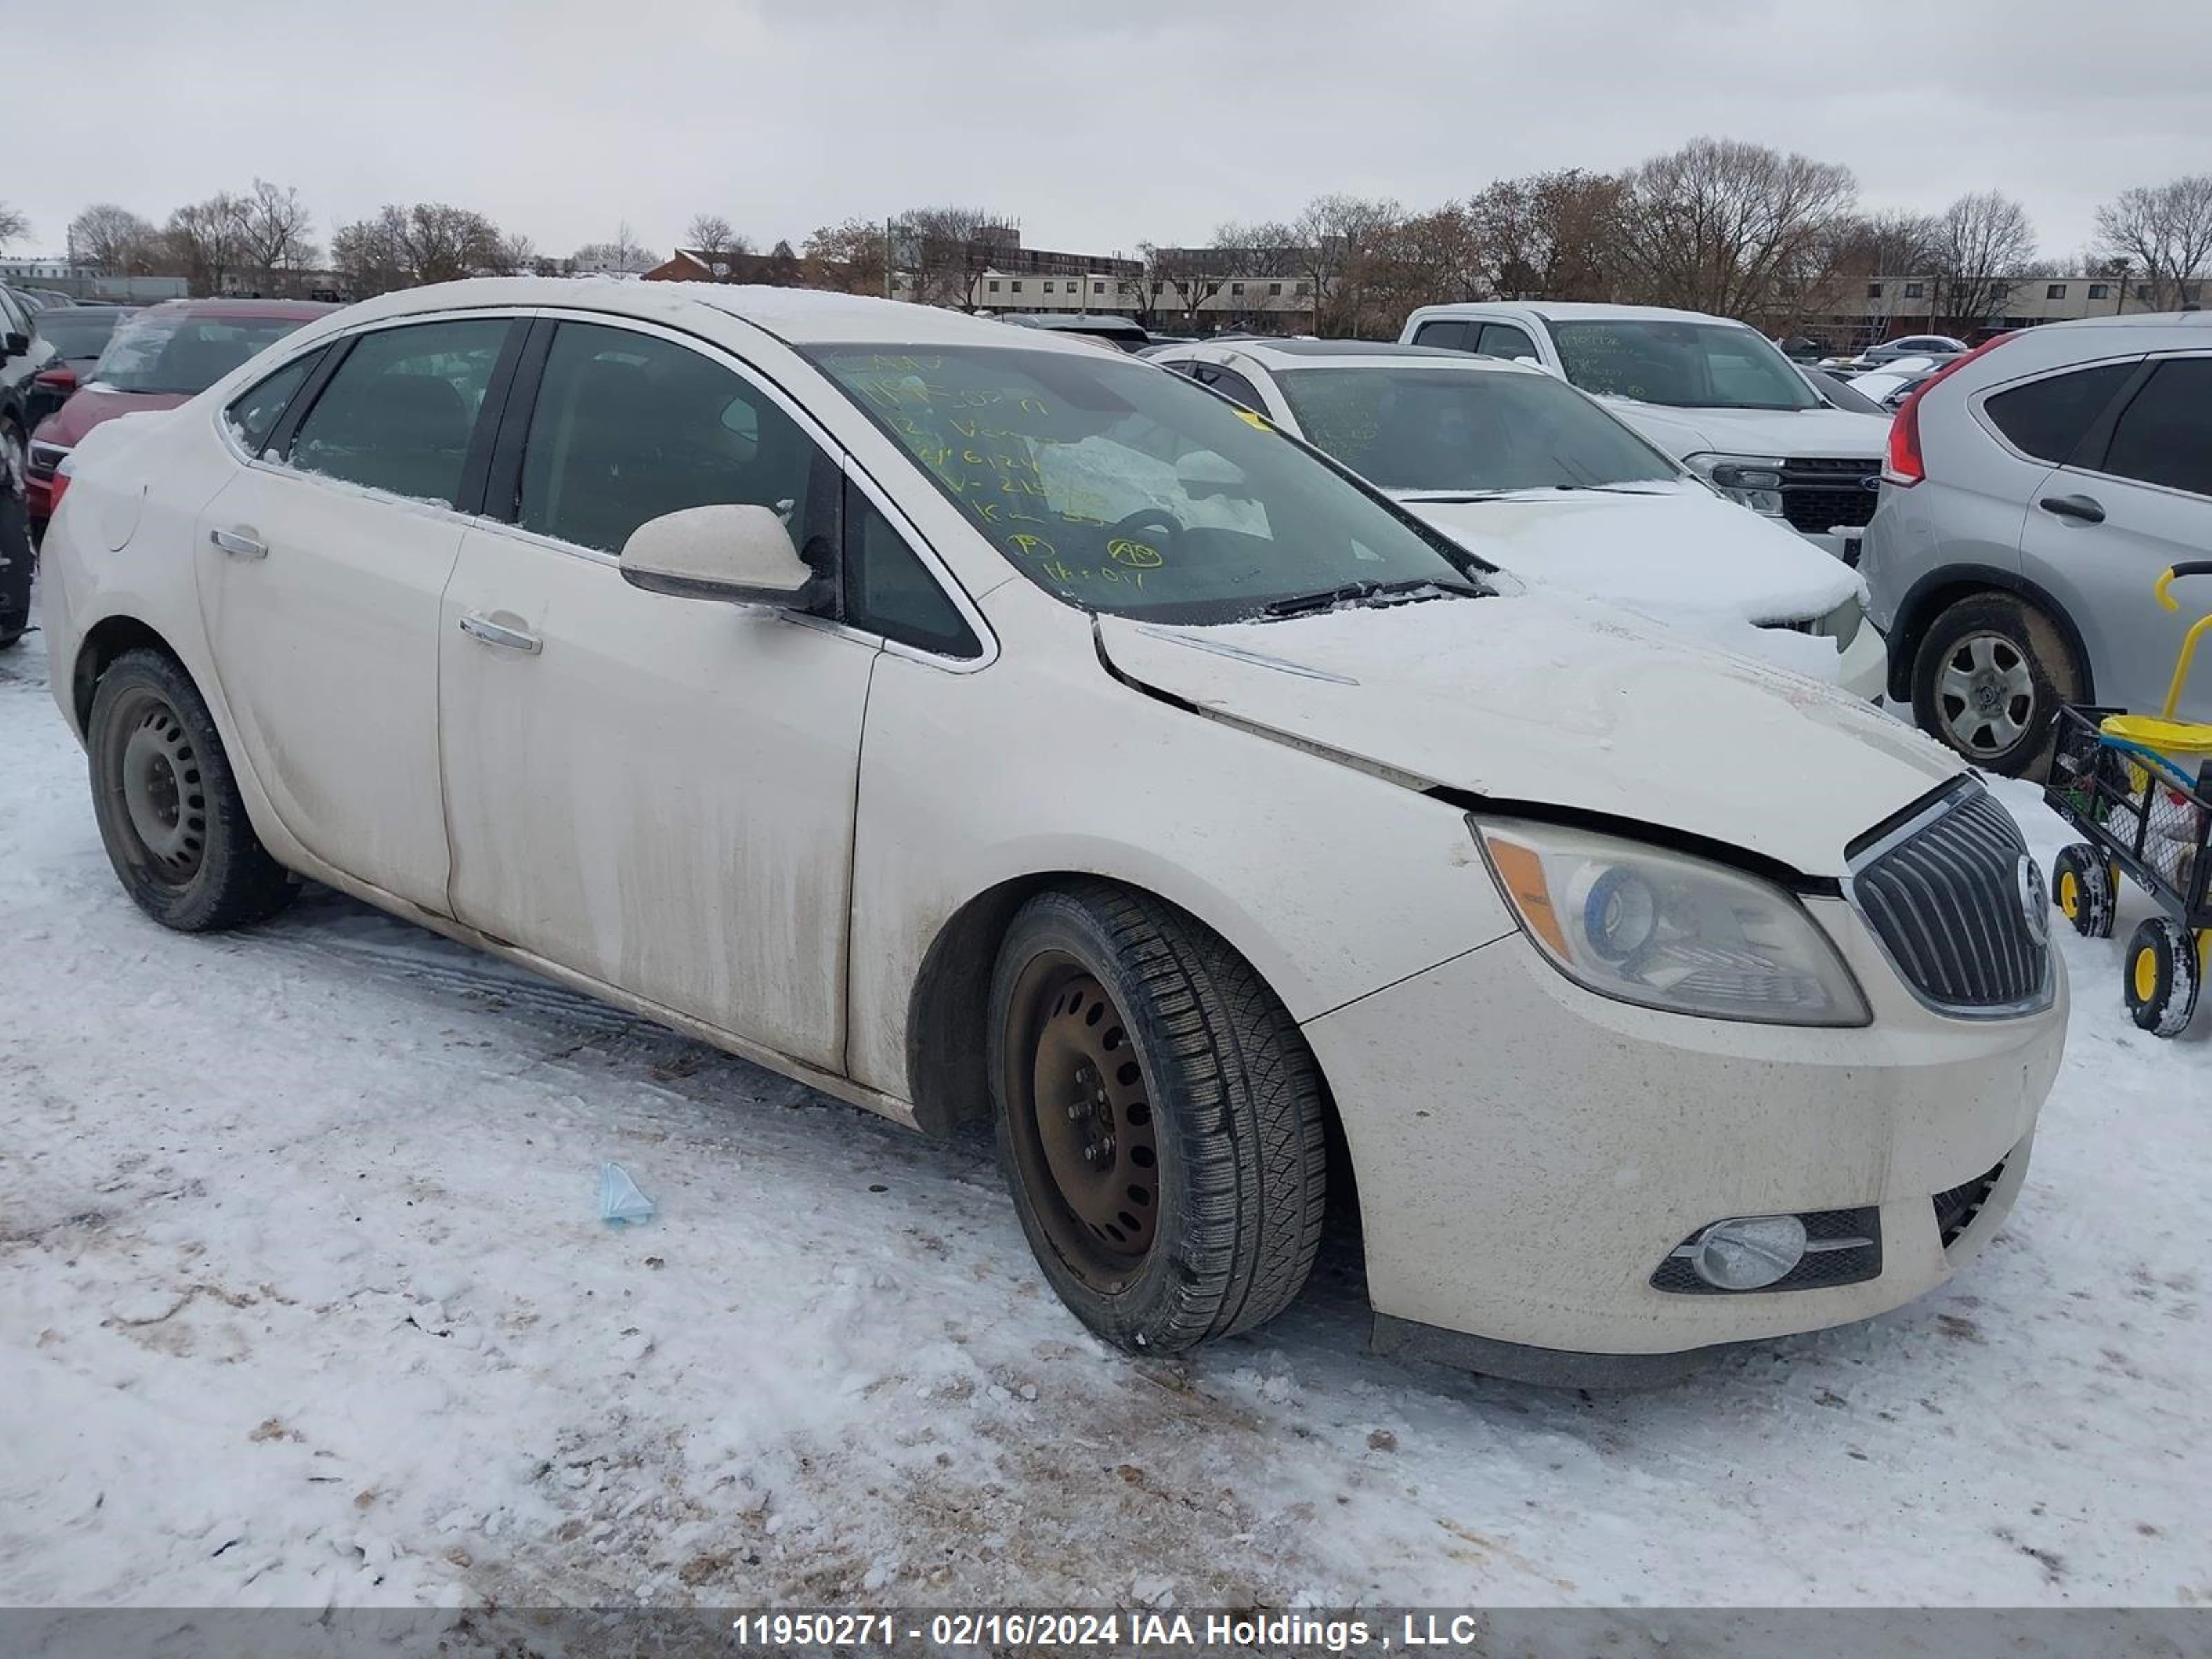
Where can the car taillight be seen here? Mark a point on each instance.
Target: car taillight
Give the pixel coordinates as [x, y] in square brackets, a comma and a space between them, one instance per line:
[60, 482]
[1904, 466]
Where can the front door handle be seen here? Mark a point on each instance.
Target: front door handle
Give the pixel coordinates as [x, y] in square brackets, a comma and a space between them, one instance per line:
[483, 628]
[239, 543]
[2074, 506]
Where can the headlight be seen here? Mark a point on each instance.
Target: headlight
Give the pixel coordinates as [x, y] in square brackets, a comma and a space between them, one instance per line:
[1668, 931]
[1754, 480]
[1841, 625]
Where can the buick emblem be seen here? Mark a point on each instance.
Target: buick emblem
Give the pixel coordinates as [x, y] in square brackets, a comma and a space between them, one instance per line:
[2034, 902]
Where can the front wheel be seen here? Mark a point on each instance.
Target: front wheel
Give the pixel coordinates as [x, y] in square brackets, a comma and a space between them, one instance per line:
[2164, 972]
[1160, 1120]
[168, 804]
[1988, 679]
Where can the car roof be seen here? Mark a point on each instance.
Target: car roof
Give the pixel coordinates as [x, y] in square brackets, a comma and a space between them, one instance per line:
[1571, 310]
[796, 316]
[1077, 320]
[2138, 320]
[1352, 354]
[296, 310]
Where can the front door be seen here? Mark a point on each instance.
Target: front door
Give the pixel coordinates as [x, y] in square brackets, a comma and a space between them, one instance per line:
[321, 571]
[655, 792]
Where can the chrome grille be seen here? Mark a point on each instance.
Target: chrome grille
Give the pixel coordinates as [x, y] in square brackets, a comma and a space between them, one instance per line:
[1947, 893]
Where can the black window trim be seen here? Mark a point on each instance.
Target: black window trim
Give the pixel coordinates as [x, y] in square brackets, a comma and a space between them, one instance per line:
[2094, 438]
[267, 451]
[1482, 348]
[2094, 450]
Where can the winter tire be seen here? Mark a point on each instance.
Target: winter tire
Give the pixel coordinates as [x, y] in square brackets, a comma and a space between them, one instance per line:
[168, 805]
[1988, 679]
[1160, 1120]
[2163, 970]
[2082, 888]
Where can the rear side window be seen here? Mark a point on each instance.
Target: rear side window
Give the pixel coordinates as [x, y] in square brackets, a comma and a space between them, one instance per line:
[254, 413]
[2164, 436]
[2047, 418]
[1452, 336]
[889, 590]
[399, 414]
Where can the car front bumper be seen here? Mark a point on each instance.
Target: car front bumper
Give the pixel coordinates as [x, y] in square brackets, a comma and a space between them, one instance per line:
[1862, 666]
[1528, 1153]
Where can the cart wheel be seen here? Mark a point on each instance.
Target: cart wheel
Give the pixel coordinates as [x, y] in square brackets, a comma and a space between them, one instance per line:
[2081, 886]
[2162, 976]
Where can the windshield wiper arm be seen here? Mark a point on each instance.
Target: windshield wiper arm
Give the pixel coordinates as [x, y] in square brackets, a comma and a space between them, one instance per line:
[1365, 592]
[1452, 497]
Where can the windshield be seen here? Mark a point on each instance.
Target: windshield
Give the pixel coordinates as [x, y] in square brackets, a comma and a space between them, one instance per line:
[78, 333]
[1467, 430]
[1683, 365]
[1123, 489]
[185, 354]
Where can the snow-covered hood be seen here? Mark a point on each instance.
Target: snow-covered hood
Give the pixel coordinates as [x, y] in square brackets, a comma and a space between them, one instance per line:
[1670, 551]
[1538, 697]
[1785, 434]
[95, 404]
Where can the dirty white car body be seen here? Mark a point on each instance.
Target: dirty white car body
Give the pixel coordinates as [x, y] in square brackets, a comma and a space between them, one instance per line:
[1661, 544]
[813, 843]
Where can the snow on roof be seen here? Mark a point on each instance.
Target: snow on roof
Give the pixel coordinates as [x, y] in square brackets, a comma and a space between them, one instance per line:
[799, 315]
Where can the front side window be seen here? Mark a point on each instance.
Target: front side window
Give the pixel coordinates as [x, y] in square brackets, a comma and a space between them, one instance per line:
[399, 414]
[1119, 488]
[167, 352]
[889, 590]
[254, 414]
[1504, 340]
[2046, 418]
[1682, 365]
[1463, 431]
[628, 427]
[2164, 436]
[78, 332]
[1229, 384]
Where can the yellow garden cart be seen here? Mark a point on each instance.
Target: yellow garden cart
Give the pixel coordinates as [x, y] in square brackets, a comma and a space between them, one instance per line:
[2139, 787]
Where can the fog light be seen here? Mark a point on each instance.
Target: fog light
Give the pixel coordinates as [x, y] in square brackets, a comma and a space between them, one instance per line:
[1747, 1253]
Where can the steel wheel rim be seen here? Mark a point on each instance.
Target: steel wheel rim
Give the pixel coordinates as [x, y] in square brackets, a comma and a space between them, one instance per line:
[1985, 694]
[1081, 1119]
[163, 797]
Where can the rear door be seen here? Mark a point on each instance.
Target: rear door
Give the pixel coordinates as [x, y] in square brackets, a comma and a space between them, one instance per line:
[2135, 499]
[322, 564]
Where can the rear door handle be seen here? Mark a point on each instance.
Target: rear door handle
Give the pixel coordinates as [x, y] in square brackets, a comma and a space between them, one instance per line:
[2074, 506]
[483, 628]
[239, 544]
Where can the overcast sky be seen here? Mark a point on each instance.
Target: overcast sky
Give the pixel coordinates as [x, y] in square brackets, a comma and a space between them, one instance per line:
[1099, 124]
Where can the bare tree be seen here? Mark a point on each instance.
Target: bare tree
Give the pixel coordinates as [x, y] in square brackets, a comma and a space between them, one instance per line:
[516, 255]
[950, 248]
[112, 237]
[274, 228]
[2163, 231]
[848, 256]
[623, 256]
[1428, 259]
[710, 234]
[1337, 237]
[1984, 241]
[1549, 235]
[207, 242]
[12, 225]
[1149, 281]
[404, 247]
[1727, 226]
[1191, 276]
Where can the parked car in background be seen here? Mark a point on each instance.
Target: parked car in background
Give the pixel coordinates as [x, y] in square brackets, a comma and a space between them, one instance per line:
[1838, 392]
[1715, 394]
[970, 724]
[1546, 482]
[157, 359]
[1123, 331]
[1891, 385]
[22, 355]
[1911, 345]
[78, 334]
[15, 559]
[2035, 490]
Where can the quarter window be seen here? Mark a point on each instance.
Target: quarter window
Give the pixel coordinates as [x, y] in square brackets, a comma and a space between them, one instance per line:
[889, 590]
[399, 414]
[254, 413]
[2047, 418]
[628, 427]
[2164, 436]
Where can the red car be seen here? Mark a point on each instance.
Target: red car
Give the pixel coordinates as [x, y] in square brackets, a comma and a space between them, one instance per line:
[159, 358]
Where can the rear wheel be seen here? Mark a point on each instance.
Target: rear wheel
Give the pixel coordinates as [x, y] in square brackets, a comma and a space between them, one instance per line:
[2164, 971]
[168, 804]
[1988, 679]
[2082, 887]
[1160, 1120]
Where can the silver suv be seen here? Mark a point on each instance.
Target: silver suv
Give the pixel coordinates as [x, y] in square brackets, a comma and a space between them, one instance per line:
[2032, 494]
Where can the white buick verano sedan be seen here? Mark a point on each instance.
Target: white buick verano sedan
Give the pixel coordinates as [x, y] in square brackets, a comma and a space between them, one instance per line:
[976, 725]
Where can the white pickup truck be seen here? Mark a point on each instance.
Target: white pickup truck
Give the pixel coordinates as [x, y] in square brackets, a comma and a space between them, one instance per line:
[1714, 393]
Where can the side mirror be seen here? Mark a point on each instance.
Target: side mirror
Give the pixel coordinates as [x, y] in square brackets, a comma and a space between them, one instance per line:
[56, 379]
[740, 555]
[16, 344]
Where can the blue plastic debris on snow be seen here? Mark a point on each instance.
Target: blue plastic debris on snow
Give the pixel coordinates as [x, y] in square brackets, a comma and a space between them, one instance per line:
[621, 1204]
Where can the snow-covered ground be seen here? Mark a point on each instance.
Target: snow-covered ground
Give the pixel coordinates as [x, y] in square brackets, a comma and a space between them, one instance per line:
[303, 1299]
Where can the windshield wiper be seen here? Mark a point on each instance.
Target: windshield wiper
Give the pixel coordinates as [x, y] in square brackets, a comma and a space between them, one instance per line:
[1365, 593]
[1452, 497]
